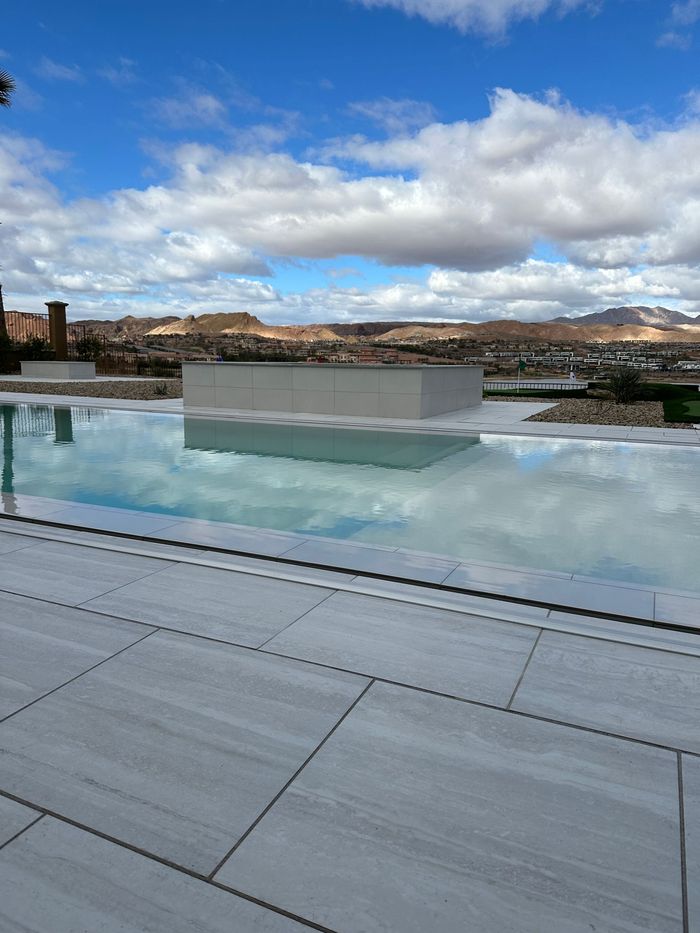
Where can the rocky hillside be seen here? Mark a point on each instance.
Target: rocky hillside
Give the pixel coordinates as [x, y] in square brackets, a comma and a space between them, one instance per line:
[242, 323]
[645, 317]
[555, 333]
[655, 325]
[127, 328]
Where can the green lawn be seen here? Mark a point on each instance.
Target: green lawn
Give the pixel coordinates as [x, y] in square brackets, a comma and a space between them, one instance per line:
[683, 410]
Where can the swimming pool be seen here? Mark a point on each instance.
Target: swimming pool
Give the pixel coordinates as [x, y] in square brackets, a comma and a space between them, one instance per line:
[616, 511]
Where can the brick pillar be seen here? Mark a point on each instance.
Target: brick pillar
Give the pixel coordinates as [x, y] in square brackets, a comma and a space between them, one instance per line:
[58, 335]
[3, 321]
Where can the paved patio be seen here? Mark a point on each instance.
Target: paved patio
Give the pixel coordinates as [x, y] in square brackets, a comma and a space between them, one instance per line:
[212, 743]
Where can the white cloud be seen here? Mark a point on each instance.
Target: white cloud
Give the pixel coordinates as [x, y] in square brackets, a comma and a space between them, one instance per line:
[674, 40]
[394, 116]
[190, 107]
[472, 199]
[682, 18]
[685, 13]
[121, 74]
[484, 16]
[55, 71]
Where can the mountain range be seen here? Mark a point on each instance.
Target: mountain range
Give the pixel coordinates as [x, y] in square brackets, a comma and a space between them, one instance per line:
[658, 325]
[646, 317]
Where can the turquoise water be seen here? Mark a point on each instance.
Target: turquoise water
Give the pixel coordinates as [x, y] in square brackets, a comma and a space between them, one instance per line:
[629, 512]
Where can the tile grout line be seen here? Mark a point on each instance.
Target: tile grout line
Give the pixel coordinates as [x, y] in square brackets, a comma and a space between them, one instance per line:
[160, 860]
[296, 774]
[437, 587]
[377, 678]
[683, 854]
[522, 673]
[81, 674]
[294, 621]
[468, 612]
[23, 830]
[121, 586]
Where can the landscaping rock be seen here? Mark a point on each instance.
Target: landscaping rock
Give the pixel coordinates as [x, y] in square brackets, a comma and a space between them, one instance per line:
[141, 390]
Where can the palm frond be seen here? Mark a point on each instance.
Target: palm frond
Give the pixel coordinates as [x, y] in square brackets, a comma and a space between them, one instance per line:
[7, 87]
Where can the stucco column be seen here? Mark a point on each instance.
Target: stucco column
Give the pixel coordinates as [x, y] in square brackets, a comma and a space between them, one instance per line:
[58, 335]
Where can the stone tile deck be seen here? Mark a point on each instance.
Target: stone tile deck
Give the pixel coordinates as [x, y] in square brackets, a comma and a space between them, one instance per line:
[263, 755]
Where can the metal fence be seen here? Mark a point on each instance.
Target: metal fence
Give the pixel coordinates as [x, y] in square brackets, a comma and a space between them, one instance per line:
[116, 362]
[563, 386]
[29, 339]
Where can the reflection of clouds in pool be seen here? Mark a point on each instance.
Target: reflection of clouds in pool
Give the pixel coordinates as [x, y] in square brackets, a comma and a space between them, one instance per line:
[613, 510]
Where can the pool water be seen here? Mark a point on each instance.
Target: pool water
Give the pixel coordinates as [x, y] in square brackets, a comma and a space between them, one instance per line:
[627, 512]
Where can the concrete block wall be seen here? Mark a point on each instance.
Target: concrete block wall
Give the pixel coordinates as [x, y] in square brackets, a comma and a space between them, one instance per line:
[377, 391]
[57, 369]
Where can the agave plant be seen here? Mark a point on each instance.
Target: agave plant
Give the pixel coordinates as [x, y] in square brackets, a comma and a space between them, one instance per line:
[7, 87]
[625, 385]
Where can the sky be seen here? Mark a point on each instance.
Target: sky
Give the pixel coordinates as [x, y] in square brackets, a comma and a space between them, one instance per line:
[350, 160]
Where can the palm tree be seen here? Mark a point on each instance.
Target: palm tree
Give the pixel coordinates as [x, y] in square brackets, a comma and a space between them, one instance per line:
[7, 87]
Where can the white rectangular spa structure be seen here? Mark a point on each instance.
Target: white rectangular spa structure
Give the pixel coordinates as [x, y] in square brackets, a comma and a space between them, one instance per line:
[57, 369]
[377, 391]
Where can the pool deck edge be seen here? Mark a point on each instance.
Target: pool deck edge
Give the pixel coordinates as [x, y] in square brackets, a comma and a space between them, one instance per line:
[495, 420]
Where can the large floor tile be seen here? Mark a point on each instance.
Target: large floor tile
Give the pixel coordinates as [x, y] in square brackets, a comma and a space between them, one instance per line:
[373, 560]
[461, 602]
[70, 574]
[691, 795]
[16, 542]
[119, 520]
[235, 537]
[44, 645]
[176, 745]
[461, 655]
[578, 594]
[235, 607]
[58, 879]
[28, 506]
[260, 563]
[682, 610]
[14, 817]
[621, 688]
[422, 813]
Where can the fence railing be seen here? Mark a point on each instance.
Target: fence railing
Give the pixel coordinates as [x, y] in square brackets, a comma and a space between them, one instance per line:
[33, 336]
[114, 362]
[563, 386]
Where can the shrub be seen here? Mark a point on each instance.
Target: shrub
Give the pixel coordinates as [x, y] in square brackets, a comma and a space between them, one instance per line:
[625, 385]
[35, 348]
[89, 348]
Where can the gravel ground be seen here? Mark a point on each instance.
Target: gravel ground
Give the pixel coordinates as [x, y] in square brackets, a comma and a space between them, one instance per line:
[143, 391]
[603, 411]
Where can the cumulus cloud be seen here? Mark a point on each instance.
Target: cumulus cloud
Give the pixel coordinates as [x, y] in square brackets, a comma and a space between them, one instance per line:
[472, 199]
[484, 16]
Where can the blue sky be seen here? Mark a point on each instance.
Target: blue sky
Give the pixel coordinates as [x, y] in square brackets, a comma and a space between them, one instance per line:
[341, 159]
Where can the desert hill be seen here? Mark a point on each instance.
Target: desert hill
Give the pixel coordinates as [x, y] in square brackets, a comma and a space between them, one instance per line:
[662, 326]
[631, 314]
[127, 328]
[548, 332]
[242, 323]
